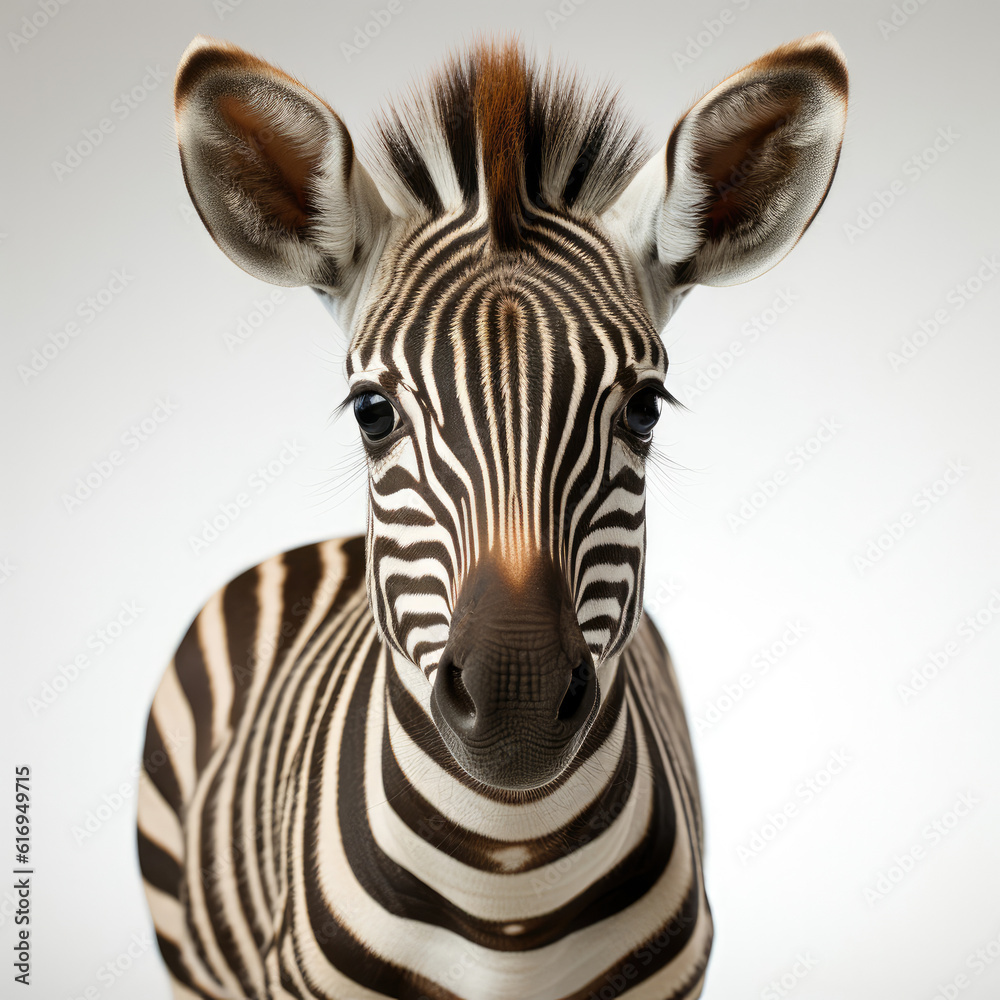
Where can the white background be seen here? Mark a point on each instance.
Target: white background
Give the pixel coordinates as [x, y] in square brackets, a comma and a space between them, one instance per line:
[720, 589]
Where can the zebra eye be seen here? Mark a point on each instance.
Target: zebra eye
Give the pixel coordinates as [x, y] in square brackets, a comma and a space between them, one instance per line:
[376, 416]
[641, 412]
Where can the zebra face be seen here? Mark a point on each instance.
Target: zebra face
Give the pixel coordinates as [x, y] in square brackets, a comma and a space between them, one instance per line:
[506, 404]
[503, 276]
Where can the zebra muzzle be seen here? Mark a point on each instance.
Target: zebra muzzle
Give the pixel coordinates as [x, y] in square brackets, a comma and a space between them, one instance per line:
[516, 689]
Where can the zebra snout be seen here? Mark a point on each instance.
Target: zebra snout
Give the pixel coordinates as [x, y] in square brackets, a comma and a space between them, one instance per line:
[516, 687]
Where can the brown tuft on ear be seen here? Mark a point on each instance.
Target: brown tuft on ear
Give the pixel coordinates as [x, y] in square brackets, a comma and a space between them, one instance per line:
[271, 169]
[818, 54]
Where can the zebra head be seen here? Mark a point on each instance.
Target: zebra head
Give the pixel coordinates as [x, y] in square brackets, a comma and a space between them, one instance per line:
[503, 277]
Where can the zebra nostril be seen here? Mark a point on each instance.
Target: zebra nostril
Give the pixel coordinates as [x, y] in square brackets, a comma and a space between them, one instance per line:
[462, 695]
[463, 708]
[578, 693]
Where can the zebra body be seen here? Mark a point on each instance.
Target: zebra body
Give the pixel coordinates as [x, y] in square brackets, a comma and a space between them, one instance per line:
[279, 703]
[448, 760]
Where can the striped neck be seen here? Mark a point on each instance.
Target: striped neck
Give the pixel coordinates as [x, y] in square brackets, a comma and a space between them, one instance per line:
[516, 870]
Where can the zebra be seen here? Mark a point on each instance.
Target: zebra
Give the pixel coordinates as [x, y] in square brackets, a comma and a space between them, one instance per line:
[448, 759]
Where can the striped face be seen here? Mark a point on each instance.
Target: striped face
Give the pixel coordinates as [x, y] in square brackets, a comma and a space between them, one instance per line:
[506, 403]
[503, 275]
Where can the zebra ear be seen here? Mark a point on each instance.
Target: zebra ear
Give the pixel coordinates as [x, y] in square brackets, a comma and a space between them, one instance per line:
[742, 174]
[272, 171]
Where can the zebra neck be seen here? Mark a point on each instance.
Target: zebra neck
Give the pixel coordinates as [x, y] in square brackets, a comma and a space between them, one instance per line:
[596, 838]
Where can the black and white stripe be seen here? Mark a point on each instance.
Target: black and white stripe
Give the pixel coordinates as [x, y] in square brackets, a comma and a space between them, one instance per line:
[310, 835]
[448, 760]
[534, 366]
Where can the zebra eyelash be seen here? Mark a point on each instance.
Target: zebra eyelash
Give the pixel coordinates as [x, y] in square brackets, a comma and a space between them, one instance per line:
[362, 388]
[659, 388]
[378, 446]
[664, 393]
[641, 445]
[359, 389]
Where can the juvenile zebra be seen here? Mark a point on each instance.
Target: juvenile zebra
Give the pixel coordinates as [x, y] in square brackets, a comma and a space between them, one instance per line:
[449, 759]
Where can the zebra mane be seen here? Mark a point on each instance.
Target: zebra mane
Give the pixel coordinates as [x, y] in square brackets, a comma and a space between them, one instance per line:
[492, 123]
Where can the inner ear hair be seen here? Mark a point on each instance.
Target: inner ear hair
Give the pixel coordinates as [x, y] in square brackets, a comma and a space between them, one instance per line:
[266, 161]
[758, 160]
[271, 169]
[748, 167]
